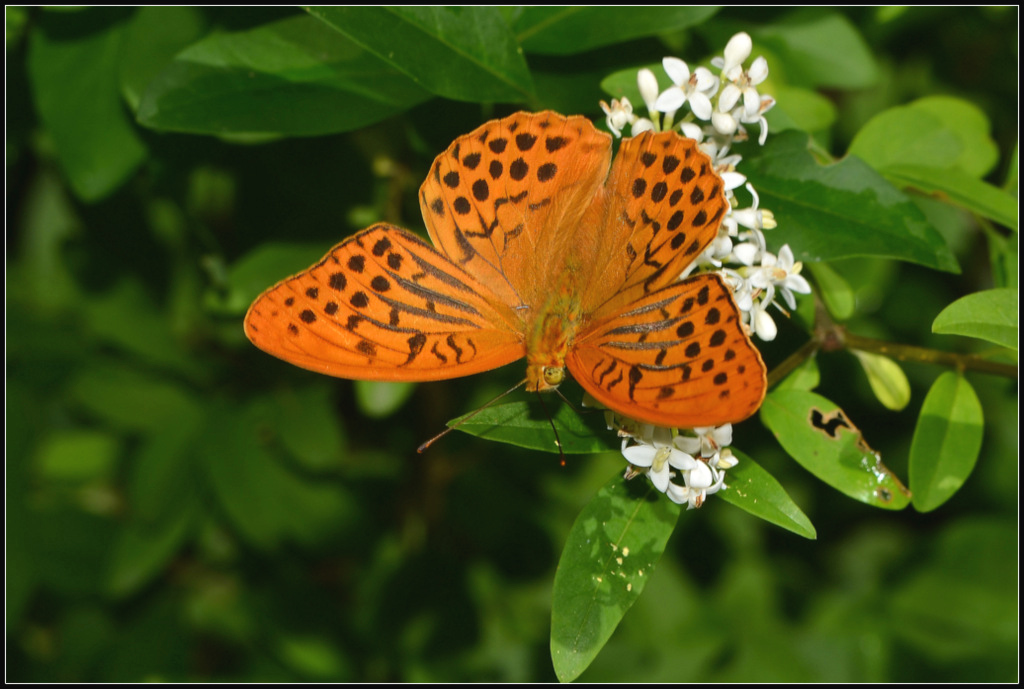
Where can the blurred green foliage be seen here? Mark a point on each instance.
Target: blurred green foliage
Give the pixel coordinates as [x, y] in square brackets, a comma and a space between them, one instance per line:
[182, 507]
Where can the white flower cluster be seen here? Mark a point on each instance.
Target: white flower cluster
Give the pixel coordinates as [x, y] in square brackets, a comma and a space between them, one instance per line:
[699, 458]
[719, 106]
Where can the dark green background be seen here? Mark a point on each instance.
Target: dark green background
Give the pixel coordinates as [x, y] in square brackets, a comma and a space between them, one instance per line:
[181, 506]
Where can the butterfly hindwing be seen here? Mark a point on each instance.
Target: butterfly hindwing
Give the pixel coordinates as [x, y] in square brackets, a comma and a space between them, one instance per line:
[678, 357]
[385, 305]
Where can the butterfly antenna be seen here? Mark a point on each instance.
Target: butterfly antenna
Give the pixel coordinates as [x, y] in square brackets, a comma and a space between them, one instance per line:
[551, 420]
[423, 448]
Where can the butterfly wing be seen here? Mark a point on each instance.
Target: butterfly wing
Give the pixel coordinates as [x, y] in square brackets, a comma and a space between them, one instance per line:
[505, 201]
[677, 357]
[660, 207]
[384, 305]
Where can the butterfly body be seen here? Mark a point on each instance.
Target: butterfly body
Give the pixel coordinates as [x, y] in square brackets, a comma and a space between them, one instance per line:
[539, 251]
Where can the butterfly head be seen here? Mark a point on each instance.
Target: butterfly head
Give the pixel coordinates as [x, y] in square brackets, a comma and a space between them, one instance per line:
[540, 378]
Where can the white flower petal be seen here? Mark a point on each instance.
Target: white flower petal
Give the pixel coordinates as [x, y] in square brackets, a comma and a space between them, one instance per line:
[729, 97]
[737, 50]
[746, 253]
[751, 102]
[706, 82]
[700, 104]
[669, 101]
[639, 455]
[692, 131]
[733, 180]
[677, 70]
[642, 125]
[648, 84]
[763, 324]
[724, 123]
[659, 479]
[797, 283]
[758, 71]
[700, 477]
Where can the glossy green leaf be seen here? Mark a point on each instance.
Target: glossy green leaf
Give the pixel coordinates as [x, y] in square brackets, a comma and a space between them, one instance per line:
[947, 441]
[887, 379]
[754, 490]
[73, 67]
[610, 554]
[462, 53]
[294, 77]
[805, 377]
[528, 424]
[552, 30]
[834, 290]
[152, 38]
[841, 210]
[990, 315]
[819, 48]
[959, 188]
[817, 434]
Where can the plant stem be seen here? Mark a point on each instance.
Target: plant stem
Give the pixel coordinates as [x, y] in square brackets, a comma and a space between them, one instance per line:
[830, 337]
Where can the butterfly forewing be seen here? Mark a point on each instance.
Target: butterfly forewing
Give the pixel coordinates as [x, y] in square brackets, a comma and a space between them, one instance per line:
[660, 208]
[384, 305]
[505, 202]
[678, 357]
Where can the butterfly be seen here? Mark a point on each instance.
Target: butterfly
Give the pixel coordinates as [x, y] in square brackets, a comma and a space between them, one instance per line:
[543, 248]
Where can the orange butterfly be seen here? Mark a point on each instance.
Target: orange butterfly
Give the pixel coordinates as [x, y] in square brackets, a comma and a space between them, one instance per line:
[541, 252]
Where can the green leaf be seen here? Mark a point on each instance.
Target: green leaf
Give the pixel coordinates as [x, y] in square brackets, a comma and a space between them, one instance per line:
[550, 30]
[754, 490]
[990, 315]
[835, 291]
[610, 554]
[266, 502]
[887, 379]
[462, 53]
[527, 424]
[131, 400]
[379, 399]
[308, 424]
[261, 269]
[78, 456]
[937, 131]
[805, 377]
[144, 549]
[946, 443]
[841, 210]
[294, 77]
[959, 188]
[820, 48]
[817, 434]
[151, 39]
[799, 108]
[73, 65]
